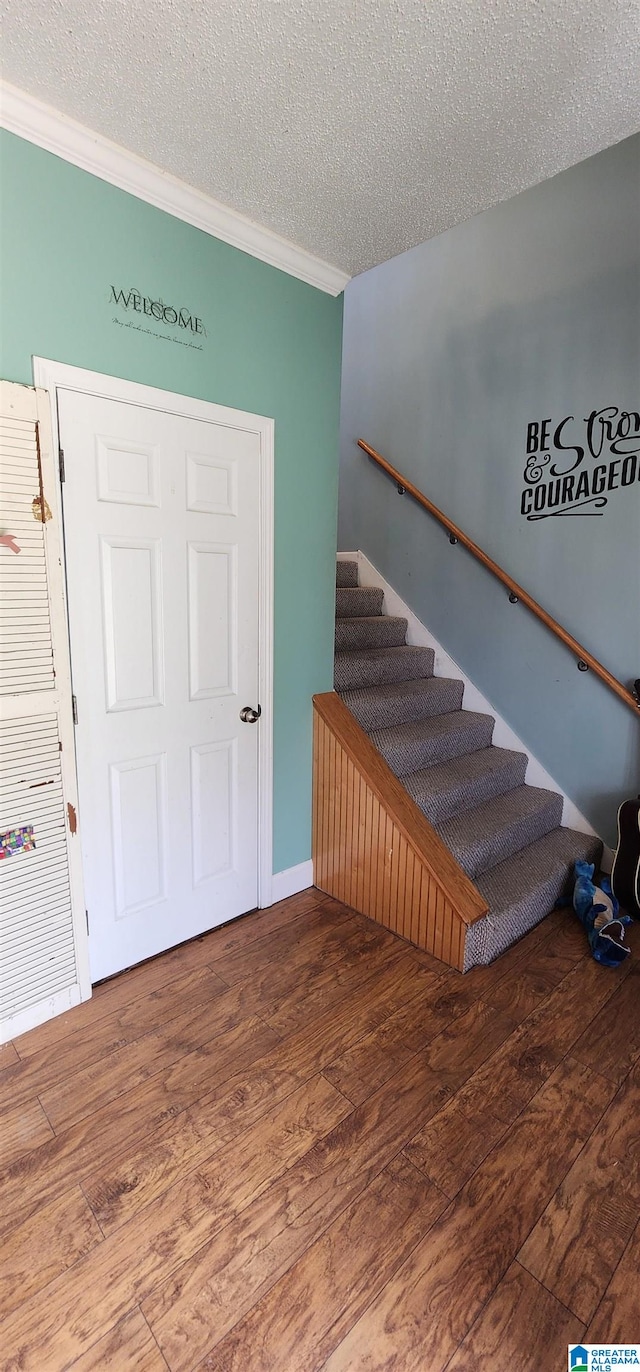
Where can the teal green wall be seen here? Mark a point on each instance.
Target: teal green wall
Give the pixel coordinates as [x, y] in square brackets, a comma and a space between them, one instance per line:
[273, 347]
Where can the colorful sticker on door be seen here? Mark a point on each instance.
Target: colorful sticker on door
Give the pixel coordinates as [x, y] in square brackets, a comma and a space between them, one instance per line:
[17, 841]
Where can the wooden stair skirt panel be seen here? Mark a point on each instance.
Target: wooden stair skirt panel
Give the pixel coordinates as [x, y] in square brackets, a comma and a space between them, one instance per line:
[374, 850]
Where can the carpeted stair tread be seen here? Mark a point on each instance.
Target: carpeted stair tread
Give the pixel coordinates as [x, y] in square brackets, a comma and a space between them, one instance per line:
[370, 631]
[508, 882]
[523, 889]
[346, 573]
[459, 783]
[492, 832]
[378, 666]
[407, 747]
[352, 601]
[376, 707]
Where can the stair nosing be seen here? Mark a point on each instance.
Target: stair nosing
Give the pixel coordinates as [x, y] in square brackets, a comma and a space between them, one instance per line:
[463, 849]
[468, 715]
[546, 875]
[507, 755]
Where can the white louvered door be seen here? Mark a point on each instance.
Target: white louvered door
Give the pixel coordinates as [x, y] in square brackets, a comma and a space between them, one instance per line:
[43, 945]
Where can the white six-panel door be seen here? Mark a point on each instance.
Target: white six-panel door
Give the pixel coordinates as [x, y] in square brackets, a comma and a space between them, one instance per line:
[162, 533]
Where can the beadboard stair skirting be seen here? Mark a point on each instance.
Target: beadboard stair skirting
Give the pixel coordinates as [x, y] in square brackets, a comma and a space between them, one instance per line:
[420, 820]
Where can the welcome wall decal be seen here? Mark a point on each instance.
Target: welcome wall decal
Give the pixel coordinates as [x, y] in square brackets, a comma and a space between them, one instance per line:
[577, 463]
[186, 325]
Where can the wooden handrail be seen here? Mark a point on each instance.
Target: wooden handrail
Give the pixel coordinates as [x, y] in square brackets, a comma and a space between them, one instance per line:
[571, 643]
[418, 832]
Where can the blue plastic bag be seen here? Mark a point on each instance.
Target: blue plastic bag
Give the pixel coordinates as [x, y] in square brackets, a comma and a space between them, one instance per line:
[599, 913]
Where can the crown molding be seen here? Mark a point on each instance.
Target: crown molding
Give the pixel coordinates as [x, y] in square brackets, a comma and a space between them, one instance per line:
[30, 118]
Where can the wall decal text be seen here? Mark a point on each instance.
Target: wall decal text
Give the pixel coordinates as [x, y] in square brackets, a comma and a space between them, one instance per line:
[572, 466]
[187, 326]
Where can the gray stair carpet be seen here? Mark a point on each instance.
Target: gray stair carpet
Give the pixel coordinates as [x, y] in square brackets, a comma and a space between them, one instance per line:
[506, 835]
[347, 574]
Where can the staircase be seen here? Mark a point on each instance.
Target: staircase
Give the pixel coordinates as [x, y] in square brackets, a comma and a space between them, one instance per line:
[507, 836]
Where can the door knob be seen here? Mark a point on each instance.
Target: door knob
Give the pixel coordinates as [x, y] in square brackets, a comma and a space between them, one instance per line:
[250, 716]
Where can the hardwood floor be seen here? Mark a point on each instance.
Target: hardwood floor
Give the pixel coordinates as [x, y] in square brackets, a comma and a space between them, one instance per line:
[299, 1143]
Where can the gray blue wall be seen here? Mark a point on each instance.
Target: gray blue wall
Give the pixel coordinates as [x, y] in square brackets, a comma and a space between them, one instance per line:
[531, 311]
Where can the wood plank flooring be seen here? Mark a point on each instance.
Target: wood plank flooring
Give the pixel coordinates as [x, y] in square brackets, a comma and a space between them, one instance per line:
[299, 1143]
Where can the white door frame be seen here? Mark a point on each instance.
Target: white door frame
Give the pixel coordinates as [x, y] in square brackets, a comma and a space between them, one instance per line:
[56, 376]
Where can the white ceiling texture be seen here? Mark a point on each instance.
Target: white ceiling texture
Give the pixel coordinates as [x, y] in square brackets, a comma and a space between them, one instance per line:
[355, 128]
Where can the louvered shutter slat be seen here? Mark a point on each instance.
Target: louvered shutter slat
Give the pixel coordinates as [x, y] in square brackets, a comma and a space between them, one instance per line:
[40, 972]
[23, 583]
[35, 883]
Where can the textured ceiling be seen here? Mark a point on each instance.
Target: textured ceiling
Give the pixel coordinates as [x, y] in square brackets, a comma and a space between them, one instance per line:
[356, 128]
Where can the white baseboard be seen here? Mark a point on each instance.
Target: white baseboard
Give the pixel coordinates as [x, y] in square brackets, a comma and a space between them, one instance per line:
[292, 880]
[473, 699]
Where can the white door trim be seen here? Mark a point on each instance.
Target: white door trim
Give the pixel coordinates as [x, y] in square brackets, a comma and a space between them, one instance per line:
[55, 376]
